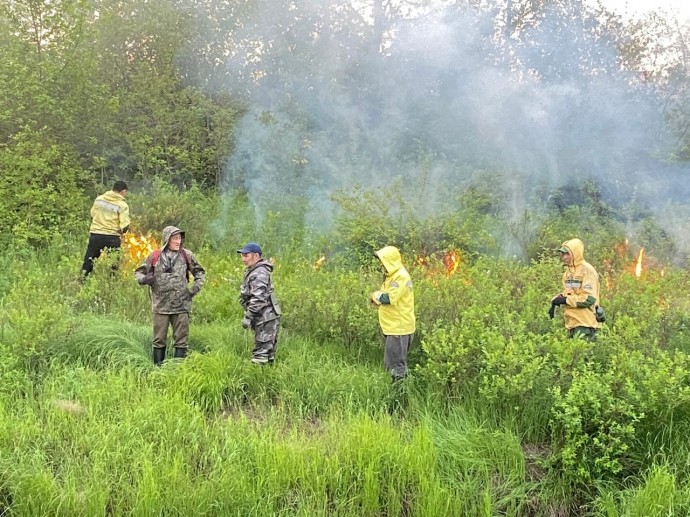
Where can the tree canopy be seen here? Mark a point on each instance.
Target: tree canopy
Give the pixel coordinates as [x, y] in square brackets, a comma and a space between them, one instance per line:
[305, 98]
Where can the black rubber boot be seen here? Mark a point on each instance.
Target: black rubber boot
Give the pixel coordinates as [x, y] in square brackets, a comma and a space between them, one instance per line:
[158, 356]
[180, 353]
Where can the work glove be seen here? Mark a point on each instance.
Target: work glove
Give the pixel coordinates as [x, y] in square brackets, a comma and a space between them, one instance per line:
[194, 290]
[246, 323]
[558, 300]
[147, 279]
[552, 311]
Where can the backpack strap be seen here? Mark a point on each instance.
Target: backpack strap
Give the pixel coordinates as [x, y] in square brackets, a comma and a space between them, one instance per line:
[188, 262]
[155, 256]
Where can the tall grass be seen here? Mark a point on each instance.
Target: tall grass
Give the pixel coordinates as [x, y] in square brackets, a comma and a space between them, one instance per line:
[119, 441]
[501, 415]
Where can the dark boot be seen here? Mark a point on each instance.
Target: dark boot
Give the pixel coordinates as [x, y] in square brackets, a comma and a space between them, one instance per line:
[158, 356]
[180, 353]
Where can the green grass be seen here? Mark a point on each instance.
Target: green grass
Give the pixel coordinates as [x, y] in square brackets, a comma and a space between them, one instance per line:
[499, 416]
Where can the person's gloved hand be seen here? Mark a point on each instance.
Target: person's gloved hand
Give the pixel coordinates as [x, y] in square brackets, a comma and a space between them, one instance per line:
[194, 290]
[559, 300]
[556, 301]
[246, 323]
[147, 279]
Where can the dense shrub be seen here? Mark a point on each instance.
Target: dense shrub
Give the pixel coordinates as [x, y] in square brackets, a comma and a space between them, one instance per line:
[163, 204]
[41, 189]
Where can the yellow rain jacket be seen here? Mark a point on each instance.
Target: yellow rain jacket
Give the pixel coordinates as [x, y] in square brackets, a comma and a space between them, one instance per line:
[395, 300]
[109, 214]
[580, 288]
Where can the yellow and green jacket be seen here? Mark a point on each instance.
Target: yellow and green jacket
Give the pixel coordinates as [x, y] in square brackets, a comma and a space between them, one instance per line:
[580, 288]
[109, 214]
[396, 297]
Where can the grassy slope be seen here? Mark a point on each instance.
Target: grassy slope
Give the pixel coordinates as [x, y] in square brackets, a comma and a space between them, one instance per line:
[89, 427]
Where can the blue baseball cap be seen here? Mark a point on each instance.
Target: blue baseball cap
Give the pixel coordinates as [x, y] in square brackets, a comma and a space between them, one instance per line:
[250, 247]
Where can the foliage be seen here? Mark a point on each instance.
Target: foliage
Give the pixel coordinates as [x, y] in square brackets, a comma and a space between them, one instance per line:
[501, 413]
[343, 312]
[537, 420]
[369, 220]
[163, 204]
[40, 192]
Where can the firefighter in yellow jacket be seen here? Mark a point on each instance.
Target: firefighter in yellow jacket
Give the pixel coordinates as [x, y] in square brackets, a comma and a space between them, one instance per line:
[395, 304]
[109, 220]
[580, 296]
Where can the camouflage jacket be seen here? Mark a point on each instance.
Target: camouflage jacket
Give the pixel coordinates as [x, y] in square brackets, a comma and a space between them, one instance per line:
[256, 294]
[170, 291]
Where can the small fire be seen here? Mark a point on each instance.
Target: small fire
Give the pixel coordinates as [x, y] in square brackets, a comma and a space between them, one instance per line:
[451, 261]
[319, 262]
[638, 266]
[438, 263]
[137, 246]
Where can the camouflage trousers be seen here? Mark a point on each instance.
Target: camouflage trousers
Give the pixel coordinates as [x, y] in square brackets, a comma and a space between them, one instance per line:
[266, 341]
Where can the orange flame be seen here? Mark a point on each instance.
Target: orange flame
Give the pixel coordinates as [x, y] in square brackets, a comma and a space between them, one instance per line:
[319, 262]
[451, 261]
[638, 266]
[137, 246]
[434, 265]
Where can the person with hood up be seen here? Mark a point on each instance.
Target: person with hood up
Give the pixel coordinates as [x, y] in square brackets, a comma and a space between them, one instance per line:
[395, 304]
[109, 220]
[580, 296]
[167, 272]
[261, 308]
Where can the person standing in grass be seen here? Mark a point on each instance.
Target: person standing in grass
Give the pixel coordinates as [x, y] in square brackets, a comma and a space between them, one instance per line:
[580, 295]
[167, 272]
[395, 304]
[109, 220]
[261, 308]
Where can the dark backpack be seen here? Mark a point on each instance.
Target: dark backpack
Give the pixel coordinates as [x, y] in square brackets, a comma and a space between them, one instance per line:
[188, 262]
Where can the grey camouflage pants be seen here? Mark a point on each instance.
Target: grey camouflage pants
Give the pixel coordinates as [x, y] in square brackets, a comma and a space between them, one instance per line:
[395, 355]
[266, 340]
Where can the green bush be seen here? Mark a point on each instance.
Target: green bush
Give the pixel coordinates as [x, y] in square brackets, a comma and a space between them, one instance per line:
[594, 424]
[163, 205]
[41, 189]
[35, 317]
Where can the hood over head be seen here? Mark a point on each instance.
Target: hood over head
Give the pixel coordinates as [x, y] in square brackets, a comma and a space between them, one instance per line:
[168, 232]
[576, 248]
[390, 258]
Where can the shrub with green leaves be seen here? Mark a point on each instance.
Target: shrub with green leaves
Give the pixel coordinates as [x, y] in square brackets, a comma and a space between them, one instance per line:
[163, 204]
[594, 424]
[41, 192]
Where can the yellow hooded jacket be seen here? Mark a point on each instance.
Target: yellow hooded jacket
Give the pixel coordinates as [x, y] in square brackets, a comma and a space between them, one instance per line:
[396, 297]
[580, 288]
[109, 214]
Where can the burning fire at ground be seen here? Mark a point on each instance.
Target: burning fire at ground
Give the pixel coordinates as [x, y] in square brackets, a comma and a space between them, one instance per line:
[637, 263]
[319, 262]
[137, 246]
[439, 264]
